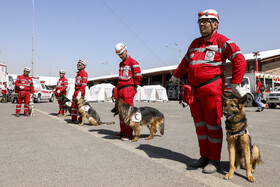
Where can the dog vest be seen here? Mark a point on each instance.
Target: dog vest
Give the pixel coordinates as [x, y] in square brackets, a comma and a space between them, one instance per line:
[85, 108]
[137, 117]
[68, 103]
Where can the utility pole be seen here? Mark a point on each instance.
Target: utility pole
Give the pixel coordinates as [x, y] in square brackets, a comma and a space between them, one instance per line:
[256, 54]
[33, 41]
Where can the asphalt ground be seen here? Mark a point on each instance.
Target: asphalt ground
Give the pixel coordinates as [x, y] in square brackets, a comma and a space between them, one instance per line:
[44, 150]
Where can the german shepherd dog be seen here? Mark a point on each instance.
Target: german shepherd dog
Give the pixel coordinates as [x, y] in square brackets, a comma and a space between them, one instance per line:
[149, 116]
[88, 112]
[66, 104]
[241, 152]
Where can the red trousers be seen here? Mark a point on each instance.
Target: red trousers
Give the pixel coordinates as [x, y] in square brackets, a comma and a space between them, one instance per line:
[75, 113]
[127, 94]
[206, 111]
[23, 96]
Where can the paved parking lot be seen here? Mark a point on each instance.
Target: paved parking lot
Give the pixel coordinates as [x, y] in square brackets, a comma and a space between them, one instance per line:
[44, 150]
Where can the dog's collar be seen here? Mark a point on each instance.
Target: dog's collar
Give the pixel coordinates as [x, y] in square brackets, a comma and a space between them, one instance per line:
[240, 133]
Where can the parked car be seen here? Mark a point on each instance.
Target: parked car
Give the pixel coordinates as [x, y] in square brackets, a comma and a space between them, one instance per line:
[273, 98]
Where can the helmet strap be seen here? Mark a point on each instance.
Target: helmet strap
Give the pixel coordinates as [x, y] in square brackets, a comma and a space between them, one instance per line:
[212, 30]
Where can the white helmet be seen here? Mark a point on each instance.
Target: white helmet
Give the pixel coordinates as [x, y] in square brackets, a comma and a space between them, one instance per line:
[27, 69]
[83, 62]
[210, 14]
[120, 47]
[62, 71]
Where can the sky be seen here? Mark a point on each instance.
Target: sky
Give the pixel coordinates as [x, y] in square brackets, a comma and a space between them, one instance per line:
[66, 31]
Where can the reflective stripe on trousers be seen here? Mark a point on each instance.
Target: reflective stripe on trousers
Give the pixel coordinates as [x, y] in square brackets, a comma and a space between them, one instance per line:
[206, 112]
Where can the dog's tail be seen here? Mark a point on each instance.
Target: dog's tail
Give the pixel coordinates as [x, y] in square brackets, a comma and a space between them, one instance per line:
[161, 128]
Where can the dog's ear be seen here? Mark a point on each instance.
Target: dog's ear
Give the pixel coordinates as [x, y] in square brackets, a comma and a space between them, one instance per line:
[243, 99]
[224, 98]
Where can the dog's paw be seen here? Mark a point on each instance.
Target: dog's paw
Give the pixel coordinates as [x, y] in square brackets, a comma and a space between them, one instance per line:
[251, 178]
[228, 176]
[81, 124]
[135, 140]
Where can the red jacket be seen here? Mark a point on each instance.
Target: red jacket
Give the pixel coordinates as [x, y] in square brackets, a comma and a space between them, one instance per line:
[81, 81]
[25, 81]
[129, 73]
[62, 85]
[207, 59]
[3, 89]
[259, 85]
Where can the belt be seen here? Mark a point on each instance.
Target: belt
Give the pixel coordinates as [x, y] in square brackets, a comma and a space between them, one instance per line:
[209, 81]
[129, 85]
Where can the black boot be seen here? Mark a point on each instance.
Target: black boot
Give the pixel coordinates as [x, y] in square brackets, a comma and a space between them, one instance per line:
[200, 162]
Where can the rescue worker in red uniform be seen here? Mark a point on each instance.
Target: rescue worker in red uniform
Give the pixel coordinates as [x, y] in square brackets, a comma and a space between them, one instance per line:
[4, 92]
[24, 88]
[205, 62]
[80, 89]
[60, 89]
[129, 79]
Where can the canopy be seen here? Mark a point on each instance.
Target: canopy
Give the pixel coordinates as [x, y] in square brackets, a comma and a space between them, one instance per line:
[140, 94]
[155, 93]
[101, 92]
[71, 89]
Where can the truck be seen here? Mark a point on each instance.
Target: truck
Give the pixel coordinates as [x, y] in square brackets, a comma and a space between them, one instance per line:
[5, 77]
[249, 85]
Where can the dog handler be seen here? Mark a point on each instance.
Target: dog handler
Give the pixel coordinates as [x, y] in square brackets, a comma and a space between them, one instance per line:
[80, 89]
[60, 89]
[129, 79]
[24, 88]
[205, 62]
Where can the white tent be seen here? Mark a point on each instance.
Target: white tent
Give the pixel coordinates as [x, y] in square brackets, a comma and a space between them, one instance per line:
[101, 92]
[155, 93]
[71, 89]
[140, 95]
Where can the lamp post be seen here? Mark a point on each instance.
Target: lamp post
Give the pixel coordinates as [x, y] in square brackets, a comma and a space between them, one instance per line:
[256, 54]
[177, 48]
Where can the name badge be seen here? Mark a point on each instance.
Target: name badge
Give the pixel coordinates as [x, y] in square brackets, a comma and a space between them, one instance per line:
[210, 55]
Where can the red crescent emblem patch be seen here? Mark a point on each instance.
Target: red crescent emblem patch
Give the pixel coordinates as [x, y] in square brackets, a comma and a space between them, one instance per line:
[136, 117]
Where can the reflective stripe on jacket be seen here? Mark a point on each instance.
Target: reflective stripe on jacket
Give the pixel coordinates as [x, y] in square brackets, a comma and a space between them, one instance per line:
[129, 73]
[81, 81]
[25, 81]
[207, 59]
[62, 84]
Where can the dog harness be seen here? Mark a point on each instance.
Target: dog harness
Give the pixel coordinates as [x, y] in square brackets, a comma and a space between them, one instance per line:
[85, 108]
[68, 103]
[242, 131]
[137, 117]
